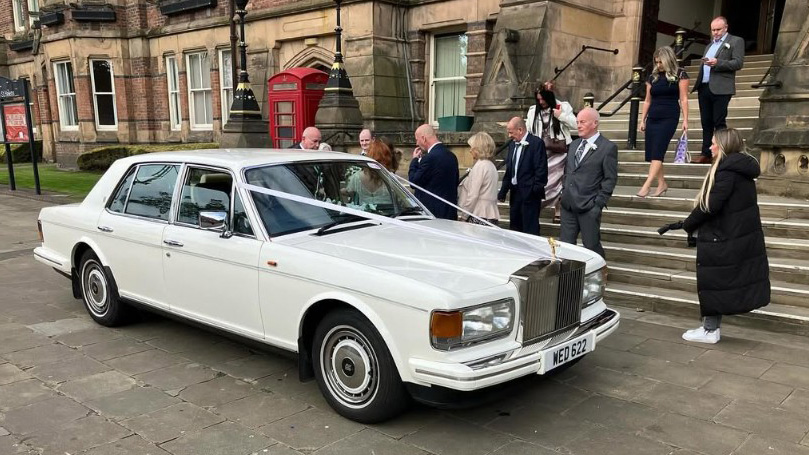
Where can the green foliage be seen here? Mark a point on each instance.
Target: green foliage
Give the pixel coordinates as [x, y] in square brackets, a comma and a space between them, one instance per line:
[21, 153]
[101, 158]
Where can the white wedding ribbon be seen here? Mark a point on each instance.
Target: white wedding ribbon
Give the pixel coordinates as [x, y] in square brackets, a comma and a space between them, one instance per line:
[531, 251]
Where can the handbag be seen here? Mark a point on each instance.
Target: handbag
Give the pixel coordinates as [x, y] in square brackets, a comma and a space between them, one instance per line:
[682, 155]
[554, 145]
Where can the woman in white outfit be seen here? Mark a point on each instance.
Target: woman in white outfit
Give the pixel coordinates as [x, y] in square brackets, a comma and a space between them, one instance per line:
[552, 119]
[477, 193]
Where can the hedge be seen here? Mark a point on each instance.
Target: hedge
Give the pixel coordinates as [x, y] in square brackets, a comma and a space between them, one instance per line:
[21, 153]
[101, 158]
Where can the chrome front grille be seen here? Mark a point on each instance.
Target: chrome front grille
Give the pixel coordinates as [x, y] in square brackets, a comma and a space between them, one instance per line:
[550, 298]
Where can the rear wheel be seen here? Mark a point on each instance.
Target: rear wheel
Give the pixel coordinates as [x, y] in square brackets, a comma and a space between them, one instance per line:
[355, 371]
[99, 293]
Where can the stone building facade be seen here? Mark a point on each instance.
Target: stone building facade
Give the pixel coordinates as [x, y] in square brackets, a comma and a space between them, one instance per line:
[137, 71]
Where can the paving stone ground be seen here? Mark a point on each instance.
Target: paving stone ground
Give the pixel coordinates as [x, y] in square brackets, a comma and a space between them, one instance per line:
[69, 386]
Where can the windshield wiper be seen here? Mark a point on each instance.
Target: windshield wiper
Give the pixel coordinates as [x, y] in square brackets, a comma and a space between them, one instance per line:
[414, 210]
[345, 218]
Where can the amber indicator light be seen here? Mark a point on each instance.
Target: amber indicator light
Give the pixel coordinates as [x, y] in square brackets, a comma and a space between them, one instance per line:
[446, 325]
[272, 263]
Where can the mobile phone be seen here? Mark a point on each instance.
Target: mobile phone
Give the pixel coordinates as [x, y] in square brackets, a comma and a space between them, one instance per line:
[704, 59]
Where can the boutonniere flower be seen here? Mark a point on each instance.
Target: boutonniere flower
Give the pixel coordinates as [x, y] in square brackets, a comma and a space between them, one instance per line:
[727, 46]
[523, 143]
[593, 147]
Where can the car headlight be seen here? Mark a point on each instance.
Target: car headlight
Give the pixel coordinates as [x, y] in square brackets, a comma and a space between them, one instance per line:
[461, 328]
[593, 288]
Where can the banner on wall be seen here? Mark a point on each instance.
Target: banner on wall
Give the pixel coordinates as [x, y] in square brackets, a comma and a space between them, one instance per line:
[16, 128]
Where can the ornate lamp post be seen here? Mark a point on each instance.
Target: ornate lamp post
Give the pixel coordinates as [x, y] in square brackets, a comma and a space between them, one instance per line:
[245, 127]
[339, 111]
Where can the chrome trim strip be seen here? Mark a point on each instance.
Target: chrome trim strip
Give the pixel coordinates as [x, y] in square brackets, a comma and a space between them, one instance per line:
[483, 376]
[47, 259]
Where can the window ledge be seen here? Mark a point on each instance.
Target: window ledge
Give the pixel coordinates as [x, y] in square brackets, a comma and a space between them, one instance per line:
[51, 18]
[23, 44]
[93, 14]
[169, 7]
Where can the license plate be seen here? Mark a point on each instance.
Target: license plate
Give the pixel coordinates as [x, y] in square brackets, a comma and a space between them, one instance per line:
[567, 352]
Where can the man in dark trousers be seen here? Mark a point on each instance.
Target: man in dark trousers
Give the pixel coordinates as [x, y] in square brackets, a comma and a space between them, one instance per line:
[591, 172]
[526, 177]
[435, 169]
[716, 82]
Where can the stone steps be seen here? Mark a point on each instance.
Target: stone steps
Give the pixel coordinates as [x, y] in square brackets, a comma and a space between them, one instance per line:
[620, 133]
[616, 123]
[693, 182]
[774, 317]
[654, 277]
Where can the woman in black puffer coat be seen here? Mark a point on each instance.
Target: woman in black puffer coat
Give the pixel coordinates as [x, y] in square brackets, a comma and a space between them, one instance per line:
[732, 269]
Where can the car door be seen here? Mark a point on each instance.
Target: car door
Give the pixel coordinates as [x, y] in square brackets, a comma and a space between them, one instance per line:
[209, 276]
[130, 231]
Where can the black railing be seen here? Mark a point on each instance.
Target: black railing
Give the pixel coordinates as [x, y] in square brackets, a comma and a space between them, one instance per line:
[583, 49]
[761, 83]
[634, 85]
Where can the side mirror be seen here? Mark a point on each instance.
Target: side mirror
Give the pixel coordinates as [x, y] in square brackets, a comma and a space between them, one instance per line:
[213, 221]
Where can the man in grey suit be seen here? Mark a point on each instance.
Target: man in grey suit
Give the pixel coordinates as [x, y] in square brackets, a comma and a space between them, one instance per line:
[716, 82]
[591, 172]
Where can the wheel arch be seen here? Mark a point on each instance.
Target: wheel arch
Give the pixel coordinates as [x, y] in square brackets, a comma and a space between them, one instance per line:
[317, 309]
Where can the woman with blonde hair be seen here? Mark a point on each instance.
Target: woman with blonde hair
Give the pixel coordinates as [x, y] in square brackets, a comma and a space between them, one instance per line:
[732, 269]
[477, 193]
[666, 96]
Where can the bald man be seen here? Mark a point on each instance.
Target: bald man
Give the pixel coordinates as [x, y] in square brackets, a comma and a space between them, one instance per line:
[591, 172]
[310, 139]
[365, 141]
[435, 169]
[526, 177]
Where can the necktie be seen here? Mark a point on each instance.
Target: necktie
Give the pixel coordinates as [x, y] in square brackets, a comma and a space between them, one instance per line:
[517, 153]
[580, 151]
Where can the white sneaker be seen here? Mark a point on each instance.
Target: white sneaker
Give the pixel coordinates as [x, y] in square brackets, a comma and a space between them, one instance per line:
[701, 335]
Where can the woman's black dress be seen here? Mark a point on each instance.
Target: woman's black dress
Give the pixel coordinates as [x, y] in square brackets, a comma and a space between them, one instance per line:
[663, 116]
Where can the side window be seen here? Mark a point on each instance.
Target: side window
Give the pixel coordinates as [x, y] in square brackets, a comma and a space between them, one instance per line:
[241, 223]
[204, 190]
[118, 201]
[152, 191]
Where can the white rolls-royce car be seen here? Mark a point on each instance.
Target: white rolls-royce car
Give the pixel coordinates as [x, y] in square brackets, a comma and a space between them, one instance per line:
[328, 255]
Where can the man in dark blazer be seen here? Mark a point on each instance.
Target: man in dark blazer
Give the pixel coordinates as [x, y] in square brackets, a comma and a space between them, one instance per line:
[310, 139]
[435, 169]
[526, 177]
[716, 82]
[591, 172]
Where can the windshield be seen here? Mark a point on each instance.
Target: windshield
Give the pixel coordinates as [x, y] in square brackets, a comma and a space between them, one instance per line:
[360, 185]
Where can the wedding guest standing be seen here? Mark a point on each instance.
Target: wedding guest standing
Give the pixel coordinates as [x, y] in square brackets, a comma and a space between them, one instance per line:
[732, 268]
[477, 193]
[435, 169]
[716, 82]
[551, 119]
[525, 178]
[666, 96]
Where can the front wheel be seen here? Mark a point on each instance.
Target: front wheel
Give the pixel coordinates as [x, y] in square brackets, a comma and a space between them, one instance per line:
[355, 371]
[99, 293]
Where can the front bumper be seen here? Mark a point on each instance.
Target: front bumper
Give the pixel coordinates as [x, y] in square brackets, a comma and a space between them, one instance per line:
[460, 376]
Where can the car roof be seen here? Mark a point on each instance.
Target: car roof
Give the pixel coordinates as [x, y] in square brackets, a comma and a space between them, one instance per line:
[242, 158]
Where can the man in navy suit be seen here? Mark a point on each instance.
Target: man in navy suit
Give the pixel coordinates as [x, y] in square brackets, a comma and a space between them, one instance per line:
[526, 177]
[435, 169]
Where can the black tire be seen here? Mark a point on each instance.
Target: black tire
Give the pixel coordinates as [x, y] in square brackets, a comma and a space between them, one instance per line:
[100, 294]
[366, 387]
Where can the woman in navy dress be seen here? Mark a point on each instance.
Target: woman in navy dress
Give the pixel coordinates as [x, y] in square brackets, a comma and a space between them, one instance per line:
[666, 96]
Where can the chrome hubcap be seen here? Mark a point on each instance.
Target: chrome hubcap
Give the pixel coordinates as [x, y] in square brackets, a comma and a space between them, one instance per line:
[95, 289]
[350, 366]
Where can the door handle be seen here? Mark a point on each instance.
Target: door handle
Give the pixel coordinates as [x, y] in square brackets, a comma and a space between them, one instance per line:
[104, 229]
[173, 243]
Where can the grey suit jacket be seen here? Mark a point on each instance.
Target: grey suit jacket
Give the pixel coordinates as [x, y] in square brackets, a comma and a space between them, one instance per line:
[729, 59]
[592, 182]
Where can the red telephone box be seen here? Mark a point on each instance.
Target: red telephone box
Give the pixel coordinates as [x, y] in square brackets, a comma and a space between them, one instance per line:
[293, 97]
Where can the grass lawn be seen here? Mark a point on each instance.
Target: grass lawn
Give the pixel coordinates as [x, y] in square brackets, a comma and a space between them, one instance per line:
[74, 183]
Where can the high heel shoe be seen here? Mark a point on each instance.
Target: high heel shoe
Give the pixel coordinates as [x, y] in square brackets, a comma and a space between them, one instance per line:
[641, 194]
[660, 193]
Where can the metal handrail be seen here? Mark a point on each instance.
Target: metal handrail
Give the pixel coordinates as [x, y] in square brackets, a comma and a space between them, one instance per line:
[583, 49]
[761, 83]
